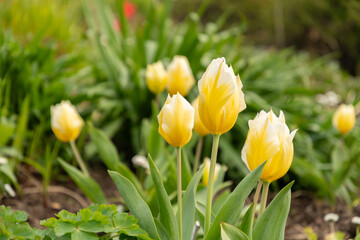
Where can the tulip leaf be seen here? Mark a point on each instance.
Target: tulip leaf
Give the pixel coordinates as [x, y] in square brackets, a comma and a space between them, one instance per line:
[167, 216]
[246, 226]
[109, 155]
[271, 224]
[88, 185]
[186, 173]
[135, 203]
[188, 215]
[231, 209]
[163, 234]
[229, 232]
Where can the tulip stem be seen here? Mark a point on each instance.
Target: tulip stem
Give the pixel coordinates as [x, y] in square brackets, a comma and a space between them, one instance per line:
[215, 146]
[256, 199]
[78, 158]
[264, 196]
[198, 153]
[179, 191]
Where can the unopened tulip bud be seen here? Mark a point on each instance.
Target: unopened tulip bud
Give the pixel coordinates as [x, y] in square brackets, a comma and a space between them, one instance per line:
[269, 139]
[220, 97]
[205, 177]
[176, 120]
[344, 118]
[156, 77]
[180, 76]
[65, 121]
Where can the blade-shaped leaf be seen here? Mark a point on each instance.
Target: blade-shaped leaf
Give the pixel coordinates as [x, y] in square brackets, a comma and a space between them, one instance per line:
[271, 224]
[188, 215]
[246, 226]
[167, 216]
[231, 209]
[88, 185]
[163, 234]
[229, 232]
[135, 203]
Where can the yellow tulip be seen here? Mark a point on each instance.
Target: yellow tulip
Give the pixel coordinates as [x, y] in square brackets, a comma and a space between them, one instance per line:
[344, 118]
[176, 120]
[269, 139]
[180, 76]
[220, 97]
[65, 121]
[199, 127]
[205, 177]
[156, 77]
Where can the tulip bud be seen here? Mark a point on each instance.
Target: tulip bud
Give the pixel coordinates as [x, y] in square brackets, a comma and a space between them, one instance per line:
[176, 120]
[269, 139]
[180, 77]
[65, 121]
[220, 97]
[205, 177]
[199, 127]
[156, 77]
[344, 118]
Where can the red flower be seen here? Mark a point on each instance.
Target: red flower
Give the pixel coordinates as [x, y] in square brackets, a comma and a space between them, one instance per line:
[129, 9]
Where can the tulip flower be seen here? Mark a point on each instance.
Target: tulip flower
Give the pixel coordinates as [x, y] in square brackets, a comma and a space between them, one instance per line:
[199, 127]
[269, 139]
[65, 121]
[221, 98]
[66, 125]
[156, 77]
[205, 177]
[344, 118]
[176, 120]
[180, 76]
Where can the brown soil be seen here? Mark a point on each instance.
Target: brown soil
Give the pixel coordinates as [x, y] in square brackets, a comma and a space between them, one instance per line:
[306, 211]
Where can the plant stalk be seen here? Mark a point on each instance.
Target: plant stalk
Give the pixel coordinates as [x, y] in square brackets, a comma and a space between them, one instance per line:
[79, 159]
[256, 199]
[264, 196]
[198, 154]
[215, 146]
[179, 191]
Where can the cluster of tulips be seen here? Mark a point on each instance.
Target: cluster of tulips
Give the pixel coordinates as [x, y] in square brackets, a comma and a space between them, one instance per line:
[215, 112]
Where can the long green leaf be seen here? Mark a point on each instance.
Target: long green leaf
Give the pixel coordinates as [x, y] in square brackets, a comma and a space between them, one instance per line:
[88, 185]
[189, 211]
[246, 225]
[135, 203]
[163, 234]
[109, 155]
[231, 210]
[271, 224]
[167, 216]
[229, 232]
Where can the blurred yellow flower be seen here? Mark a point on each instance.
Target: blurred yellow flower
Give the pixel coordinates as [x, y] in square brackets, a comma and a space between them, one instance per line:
[220, 97]
[205, 177]
[344, 118]
[199, 127]
[156, 77]
[180, 76]
[65, 121]
[269, 139]
[176, 120]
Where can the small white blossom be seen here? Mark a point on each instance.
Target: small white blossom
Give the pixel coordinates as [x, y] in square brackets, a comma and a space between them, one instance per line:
[141, 161]
[9, 190]
[356, 220]
[3, 160]
[331, 217]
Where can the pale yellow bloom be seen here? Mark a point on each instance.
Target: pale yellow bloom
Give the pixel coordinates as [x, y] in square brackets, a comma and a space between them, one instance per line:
[176, 120]
[205, 177]
[180, 76]
[65, 121]
[269, 139]
[156, 77]
[220, 97]
[344, 118]
[199, 127]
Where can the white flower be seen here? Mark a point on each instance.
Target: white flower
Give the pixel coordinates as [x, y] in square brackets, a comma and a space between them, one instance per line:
[331, 217]
[9, 190]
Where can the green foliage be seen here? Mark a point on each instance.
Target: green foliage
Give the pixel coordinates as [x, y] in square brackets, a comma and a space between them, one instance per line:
[229, 232]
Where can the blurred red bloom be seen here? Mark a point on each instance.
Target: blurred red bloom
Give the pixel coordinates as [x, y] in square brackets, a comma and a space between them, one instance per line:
[129, 9]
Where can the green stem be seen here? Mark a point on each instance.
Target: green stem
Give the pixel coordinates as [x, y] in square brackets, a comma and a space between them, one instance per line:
[256, 199]
[210, 186]
[179, 191]
[264, 196]
[79, 159]
[198, 153]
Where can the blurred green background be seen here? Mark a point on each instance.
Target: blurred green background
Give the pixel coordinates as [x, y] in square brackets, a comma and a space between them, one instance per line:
[289, 54]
